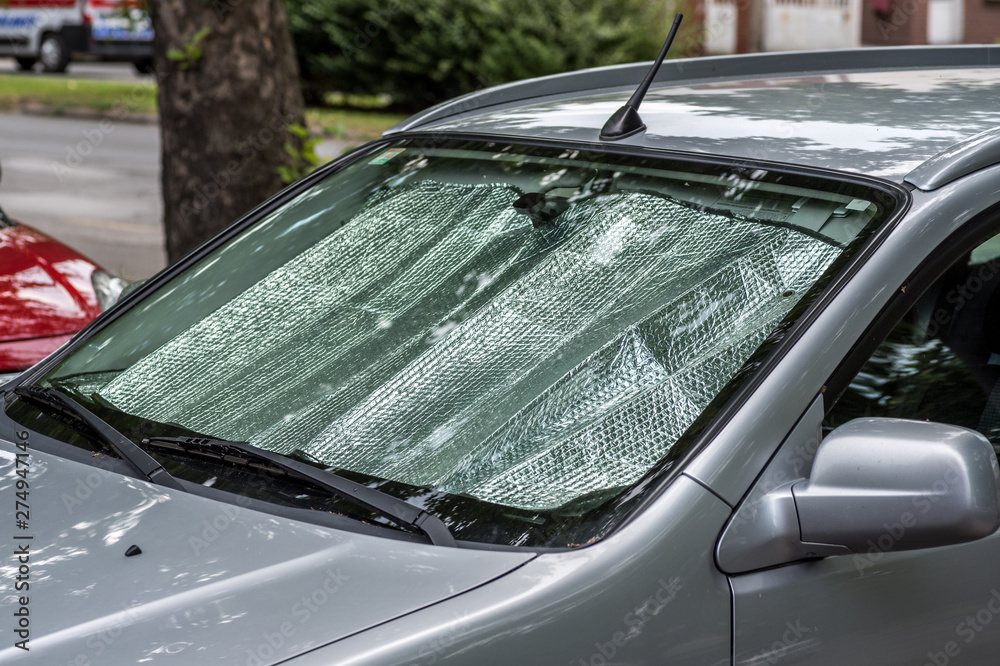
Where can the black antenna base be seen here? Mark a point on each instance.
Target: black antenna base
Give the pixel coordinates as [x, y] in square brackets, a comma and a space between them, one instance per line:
[623, 123]
[626, 121]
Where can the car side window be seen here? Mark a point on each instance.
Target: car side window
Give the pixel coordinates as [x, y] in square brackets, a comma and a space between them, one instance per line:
[942, 361]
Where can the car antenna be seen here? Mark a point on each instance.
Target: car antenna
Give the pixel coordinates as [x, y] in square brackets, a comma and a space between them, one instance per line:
[626, 121]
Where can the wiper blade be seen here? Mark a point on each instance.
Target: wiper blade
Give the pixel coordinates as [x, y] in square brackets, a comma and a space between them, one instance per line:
[141, 462]
[242, 453]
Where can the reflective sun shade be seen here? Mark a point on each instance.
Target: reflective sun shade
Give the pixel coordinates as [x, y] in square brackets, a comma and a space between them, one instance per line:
[529, 328]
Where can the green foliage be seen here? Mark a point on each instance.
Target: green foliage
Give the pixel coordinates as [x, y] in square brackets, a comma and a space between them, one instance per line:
[135, 15]
[424, 52]
[301, 147]
[190, 53]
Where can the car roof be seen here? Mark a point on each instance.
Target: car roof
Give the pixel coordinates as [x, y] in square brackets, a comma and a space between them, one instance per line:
[926, 115]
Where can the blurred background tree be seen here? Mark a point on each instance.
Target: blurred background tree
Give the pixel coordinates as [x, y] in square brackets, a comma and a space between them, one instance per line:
[228, 93]
[421, 53]
[231, 108]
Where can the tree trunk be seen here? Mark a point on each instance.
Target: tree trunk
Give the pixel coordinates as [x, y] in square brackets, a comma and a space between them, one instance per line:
[228, 90]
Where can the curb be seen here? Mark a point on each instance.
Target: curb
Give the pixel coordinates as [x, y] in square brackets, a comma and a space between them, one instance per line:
[82, 114]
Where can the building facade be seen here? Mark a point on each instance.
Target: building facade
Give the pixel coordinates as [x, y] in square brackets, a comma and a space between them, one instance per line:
[784, 25]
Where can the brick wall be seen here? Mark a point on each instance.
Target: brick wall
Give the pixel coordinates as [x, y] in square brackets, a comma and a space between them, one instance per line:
[982, 22]
[905, 24]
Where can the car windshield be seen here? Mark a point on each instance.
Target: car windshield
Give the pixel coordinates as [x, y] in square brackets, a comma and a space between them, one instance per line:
[511, 337]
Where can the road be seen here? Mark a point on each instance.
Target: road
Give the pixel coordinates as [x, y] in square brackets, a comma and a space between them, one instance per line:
[94, 187]
[114, 71]
[97, 190]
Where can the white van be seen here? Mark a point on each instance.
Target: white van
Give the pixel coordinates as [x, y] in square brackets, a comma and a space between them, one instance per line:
[54, 31]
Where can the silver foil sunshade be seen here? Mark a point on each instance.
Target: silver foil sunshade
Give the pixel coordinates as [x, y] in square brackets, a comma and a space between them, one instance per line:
[438, 339]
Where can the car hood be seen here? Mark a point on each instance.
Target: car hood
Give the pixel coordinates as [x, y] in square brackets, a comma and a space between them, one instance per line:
[214, 582]
[44, 286]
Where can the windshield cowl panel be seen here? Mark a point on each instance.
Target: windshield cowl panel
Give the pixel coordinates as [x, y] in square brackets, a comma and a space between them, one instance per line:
[507, 337]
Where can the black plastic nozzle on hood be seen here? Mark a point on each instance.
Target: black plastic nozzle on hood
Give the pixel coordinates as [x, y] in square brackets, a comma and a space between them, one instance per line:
[626, 121]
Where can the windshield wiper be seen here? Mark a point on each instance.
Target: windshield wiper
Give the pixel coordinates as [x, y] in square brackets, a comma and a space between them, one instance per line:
[247, 455]
[82, 418]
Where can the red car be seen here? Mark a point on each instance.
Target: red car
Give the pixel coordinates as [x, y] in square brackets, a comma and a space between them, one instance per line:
[48, 292]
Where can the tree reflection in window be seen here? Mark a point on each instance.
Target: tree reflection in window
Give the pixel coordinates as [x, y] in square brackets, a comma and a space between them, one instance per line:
[941, 362]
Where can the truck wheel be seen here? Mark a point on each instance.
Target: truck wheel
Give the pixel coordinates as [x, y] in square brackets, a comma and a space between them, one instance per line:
[25, 64]
[53, 53]
[144, 66]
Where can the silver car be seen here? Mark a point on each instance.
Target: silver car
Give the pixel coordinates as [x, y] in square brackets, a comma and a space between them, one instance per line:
[497, 390]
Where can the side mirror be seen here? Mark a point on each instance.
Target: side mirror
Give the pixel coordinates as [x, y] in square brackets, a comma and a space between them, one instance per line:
[130, 287]
[889, 483]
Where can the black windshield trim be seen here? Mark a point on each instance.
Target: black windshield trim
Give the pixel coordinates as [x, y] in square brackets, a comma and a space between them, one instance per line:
[141, 462]
[400, 512]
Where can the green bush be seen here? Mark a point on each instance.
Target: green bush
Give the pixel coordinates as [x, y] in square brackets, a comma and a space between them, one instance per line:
[425, 51]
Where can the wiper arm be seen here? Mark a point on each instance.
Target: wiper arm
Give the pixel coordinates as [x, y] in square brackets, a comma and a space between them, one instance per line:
[247, 455]
[141, 462]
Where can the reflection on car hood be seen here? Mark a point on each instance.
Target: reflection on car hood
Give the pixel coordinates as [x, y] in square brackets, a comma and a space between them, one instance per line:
[214, 583]
[44, 286]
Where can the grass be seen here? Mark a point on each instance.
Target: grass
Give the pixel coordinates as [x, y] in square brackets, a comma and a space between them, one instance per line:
[58, 95]
[350, 125]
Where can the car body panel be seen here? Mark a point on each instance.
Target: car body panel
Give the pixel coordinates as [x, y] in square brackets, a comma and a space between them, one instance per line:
[874, 598]
[965, 157]
[45, 287]
[715, 69]
[215, 582]
[637, 598]
[906, 118]
[16, 354]
[893, 608]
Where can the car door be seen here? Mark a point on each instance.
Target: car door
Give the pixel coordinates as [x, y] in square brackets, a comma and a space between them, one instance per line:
[933, 355]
